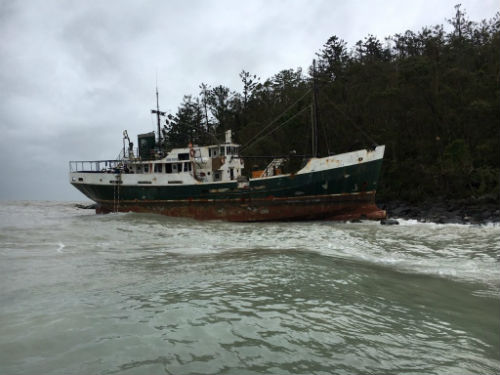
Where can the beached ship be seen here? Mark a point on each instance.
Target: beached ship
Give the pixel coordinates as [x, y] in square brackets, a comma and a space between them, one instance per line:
[208, 182]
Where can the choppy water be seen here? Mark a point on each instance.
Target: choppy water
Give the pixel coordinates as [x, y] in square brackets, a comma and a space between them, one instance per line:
[145, 294]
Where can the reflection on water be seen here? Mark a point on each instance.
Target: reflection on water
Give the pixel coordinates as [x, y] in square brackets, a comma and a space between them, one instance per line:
[129, 293]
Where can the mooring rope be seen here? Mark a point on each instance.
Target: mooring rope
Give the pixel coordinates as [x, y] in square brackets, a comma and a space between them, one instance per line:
[259, 134]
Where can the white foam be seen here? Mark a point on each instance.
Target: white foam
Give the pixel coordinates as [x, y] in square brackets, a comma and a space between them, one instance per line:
[409, 222]
[61, 246]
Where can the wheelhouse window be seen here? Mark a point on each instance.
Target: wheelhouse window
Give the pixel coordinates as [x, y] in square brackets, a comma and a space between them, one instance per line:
[158, 168]
[146, 168]
[187, 167]
[183, 156]
[176, 167]
[222, 153]
[230, 150]
[168, 168]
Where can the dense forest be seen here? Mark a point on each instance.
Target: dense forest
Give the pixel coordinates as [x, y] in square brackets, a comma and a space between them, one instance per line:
[432, 97]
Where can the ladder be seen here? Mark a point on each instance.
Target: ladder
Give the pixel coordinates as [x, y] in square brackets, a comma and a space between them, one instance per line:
[116, 192]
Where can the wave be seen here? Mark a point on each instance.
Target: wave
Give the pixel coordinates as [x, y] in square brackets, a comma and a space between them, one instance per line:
[456, 251]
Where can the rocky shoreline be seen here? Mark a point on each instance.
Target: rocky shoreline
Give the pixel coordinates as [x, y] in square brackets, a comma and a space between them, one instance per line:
[481, 210]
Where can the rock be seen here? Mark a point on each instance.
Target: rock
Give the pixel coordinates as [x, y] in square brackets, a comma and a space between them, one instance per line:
[446, 220]
[471, 210]
[389, 222]
[487, 198]
[399, 211]
[91, 206]
[413, 213]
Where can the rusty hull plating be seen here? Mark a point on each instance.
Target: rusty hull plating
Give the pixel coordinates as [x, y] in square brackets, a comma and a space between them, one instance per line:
[342, 207]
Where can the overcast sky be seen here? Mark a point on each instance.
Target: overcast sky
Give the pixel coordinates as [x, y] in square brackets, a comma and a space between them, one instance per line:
[75, 74]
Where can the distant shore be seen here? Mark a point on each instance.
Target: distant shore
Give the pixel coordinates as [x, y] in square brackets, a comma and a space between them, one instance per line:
[481, 210]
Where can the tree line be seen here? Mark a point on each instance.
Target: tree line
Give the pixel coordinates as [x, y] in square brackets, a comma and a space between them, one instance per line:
[432, 97]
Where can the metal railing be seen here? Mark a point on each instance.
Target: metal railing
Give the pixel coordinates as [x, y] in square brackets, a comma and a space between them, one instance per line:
[117, 165]
[126, 153]
[95, 166]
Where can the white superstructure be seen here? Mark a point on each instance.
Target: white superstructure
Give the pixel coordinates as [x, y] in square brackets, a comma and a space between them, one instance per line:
[190, 165]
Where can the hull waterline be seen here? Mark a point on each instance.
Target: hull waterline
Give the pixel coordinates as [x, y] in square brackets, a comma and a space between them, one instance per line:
[327, 207]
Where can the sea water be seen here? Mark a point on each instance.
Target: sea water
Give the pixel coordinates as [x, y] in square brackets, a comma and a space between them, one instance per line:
[145, 294]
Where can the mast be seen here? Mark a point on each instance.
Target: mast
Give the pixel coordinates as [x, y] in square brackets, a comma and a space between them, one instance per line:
[158, 114]
[314, 114]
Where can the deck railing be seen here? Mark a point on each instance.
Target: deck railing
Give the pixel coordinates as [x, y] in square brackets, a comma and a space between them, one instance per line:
[96, 166]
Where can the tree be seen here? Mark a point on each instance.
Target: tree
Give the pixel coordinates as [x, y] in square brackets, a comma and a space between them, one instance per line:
[187, 125]
[250, 82]
[205, 98]
[332, 58]
[218, 103]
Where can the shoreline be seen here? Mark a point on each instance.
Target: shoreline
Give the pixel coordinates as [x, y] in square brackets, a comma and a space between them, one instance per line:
[481, 210]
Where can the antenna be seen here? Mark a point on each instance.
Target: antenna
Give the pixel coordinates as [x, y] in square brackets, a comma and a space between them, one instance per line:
[315, 114]
[158, 112]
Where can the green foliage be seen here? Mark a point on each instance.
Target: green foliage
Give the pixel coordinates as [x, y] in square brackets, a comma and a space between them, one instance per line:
[188, 124]
[484, 180]
[430, 96]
